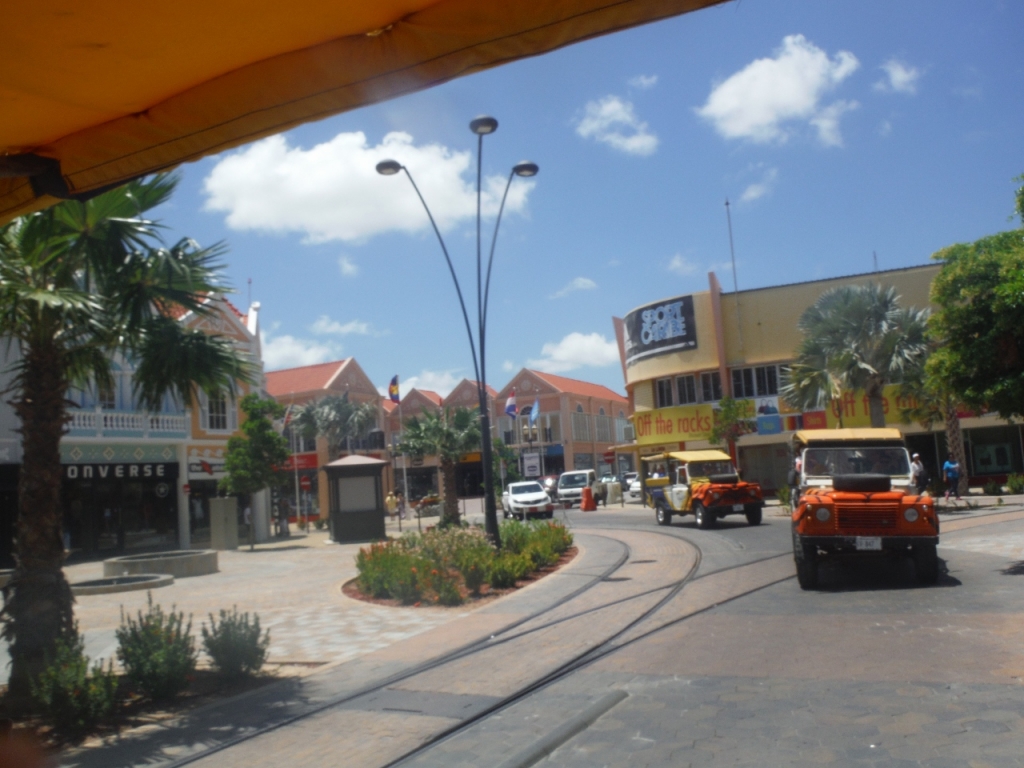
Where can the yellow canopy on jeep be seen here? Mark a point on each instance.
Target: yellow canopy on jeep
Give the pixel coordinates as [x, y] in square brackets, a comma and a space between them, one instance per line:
[687, 456]
[95, 93]
[859, 435]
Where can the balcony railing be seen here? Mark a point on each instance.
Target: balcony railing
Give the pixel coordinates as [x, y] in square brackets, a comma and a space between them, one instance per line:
[100, 423]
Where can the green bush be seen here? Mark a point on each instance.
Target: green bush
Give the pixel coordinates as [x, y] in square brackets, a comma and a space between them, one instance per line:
[70, 697]
[390, 569]
[235, 645]
[554, 535]
[157, 651]
[445, 586]
[319, 523]
[515, 535]
[992, 488]
[507, 568]
[541, 554]
[1015, 484]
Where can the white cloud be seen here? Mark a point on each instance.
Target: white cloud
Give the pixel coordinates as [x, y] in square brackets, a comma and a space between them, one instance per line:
[899, 78]
[884, 128]
[827, 122]
[576, 284]
[760, 188]
[333, 191]
[508, 366]
[348, 267]
[324, 326]
[613, 122]
[288, 351]
[756, 102]
[643, 82]
[576, 351]
[681, 265]
[442, 382]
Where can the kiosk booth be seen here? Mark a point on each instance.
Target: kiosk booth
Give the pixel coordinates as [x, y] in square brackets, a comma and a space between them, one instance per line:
[356, 492]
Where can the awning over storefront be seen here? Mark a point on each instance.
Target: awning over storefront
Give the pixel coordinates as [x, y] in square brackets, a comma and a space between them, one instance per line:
[95, 93]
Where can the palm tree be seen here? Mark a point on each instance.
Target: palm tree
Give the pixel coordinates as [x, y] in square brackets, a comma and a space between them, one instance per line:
[336, 419]
[855, 337]
[80, 283]
[448, 435]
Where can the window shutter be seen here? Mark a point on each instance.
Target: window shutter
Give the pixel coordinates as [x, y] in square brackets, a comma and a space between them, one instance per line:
[204, 411]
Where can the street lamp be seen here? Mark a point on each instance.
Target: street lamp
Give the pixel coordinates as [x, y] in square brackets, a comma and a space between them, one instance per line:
[481, 126]
[530, 433]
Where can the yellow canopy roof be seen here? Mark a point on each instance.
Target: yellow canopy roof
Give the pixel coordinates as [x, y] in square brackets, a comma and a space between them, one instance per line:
[96, 92]
[688, 456]
[861, 434]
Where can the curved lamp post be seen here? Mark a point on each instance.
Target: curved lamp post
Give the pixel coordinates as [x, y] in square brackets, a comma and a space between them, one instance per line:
[481, 126]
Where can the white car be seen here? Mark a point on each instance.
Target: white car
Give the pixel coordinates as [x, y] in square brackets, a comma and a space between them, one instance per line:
[526, 499]
[633, 494]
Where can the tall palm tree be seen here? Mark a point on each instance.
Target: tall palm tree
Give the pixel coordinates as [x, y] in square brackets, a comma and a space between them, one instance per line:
[855, 337]
[337, 419]
[79, 283]
[449, 435]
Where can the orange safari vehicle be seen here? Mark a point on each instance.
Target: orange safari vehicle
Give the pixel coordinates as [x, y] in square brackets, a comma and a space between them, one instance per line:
[702, 483]
[857, 498]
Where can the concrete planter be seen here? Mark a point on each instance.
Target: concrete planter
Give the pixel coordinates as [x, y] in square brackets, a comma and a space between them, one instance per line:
[120, 584]
[180, 564]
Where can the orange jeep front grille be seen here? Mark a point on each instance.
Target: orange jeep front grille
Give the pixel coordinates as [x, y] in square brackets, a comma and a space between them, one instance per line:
[862, 516]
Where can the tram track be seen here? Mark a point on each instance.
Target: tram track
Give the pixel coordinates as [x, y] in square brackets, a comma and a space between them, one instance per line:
[516, 632]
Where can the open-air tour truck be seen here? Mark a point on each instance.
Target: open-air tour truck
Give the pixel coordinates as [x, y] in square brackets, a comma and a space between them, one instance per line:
[702, 483]
[857, 498]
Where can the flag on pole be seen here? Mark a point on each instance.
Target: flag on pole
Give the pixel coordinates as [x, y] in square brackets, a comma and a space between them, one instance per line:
[510, 404]
[393, 390]
[535, 412]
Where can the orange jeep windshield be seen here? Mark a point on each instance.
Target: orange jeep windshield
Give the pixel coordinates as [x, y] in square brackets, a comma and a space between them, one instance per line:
[709, 468]
[855, 461]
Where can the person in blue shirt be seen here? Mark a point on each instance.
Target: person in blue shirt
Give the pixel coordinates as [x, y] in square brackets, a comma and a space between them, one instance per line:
[951, 474]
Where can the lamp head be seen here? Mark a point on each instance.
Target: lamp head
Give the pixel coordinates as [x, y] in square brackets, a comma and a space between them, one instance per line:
[483, 125]
[388, 167]
[525, 169]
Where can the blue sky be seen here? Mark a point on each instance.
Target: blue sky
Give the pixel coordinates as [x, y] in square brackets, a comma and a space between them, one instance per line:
[836, 129]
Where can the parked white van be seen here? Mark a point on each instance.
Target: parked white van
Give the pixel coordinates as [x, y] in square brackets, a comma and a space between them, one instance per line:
[572, 483]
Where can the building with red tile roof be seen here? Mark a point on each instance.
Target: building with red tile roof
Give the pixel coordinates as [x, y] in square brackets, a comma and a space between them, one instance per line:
[578, 425]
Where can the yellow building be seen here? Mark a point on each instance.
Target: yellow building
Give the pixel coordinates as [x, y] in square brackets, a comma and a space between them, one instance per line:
[682, 354]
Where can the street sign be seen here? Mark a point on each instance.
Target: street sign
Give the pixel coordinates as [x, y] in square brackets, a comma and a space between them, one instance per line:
[305, 483]
[531, 464]
[609, 457]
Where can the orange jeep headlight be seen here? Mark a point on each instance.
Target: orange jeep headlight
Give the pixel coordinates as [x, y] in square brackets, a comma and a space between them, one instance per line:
[910, 514]
[823, 514]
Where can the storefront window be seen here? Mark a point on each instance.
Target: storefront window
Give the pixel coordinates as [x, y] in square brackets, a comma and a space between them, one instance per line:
[663, 392]
[711, 387]
[687, 389]
[762, 381]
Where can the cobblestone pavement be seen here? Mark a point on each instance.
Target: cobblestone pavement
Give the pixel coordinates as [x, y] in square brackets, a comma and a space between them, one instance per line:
[295, 587]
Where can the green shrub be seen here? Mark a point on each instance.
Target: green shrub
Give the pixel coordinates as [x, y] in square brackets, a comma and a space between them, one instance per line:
[992, 488]
[507, 568]
[70, 697]
[474, 566]
[235, 645]
[319, 523]
[445, 586]
[1015, 484]
[515, 535]
[553, 535]
[157, 651]
[390, 569]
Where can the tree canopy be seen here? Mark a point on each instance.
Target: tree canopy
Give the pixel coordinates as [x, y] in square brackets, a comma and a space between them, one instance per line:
[980, 322]
[253, 461]
[855, 337]
[337, 419]
[447, 434]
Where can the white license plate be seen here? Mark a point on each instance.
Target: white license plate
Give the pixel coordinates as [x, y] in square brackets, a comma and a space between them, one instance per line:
[737, 507]
[869, 543]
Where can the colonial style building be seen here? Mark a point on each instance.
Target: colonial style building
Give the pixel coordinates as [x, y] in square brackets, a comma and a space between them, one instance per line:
[682, 354]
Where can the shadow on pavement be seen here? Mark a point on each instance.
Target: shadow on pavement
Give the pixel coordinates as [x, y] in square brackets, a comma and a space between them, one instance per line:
[867, 574]
[1014, 569]
[204, 727]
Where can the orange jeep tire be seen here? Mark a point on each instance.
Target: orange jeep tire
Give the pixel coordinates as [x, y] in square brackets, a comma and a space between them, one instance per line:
[704, 518]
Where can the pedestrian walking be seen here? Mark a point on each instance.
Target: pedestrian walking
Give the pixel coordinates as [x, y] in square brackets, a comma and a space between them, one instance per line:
[951, 474]
[919, 474]
[401, 506]
[391, 504]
